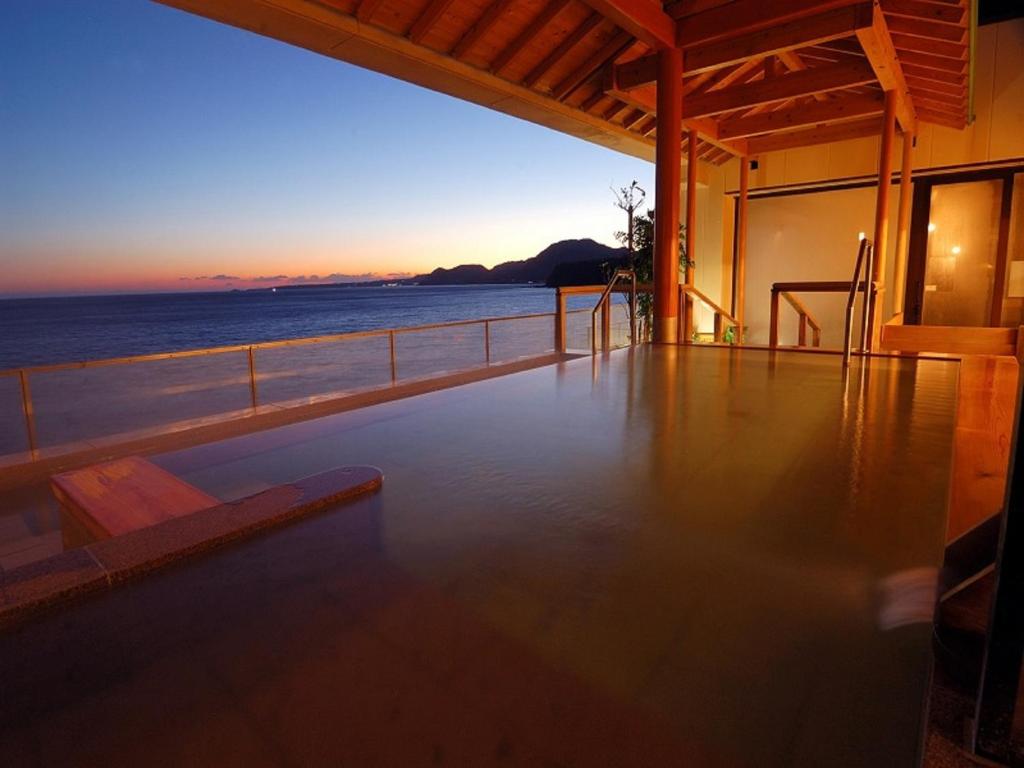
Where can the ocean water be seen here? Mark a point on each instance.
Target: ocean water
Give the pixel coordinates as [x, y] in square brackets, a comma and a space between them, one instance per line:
[57, 330]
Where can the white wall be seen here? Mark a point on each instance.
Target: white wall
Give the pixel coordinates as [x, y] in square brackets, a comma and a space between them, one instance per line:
[811, 236]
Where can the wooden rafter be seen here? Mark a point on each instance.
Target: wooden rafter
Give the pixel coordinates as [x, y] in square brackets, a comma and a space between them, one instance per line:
[806, 82]
[425, 21]
[745, 17]
[930, 30]
[588, 25]
[494, 11]
[620, 42]
[546, 16]
[881, 52]
[366, 9]
[943, 13]
[826, 134]
[643, 19]
[844, 108]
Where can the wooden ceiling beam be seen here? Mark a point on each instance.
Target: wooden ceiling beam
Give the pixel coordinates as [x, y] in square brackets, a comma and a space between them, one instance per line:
[646, 99]
[619, 43]
[535, 27]
[881, 53]
[587, 26]
[845, 108]
[643, 19]
[928, 30]
[814, 30]
[745, 17]
[480, 27]
[806, 82]
[941, 63]
[822, 27]
[949, 89]
[366, 9]
[922, 10]
[827, 134]
[957, 122]
[425, 21]
[929, 74]
[923, 45]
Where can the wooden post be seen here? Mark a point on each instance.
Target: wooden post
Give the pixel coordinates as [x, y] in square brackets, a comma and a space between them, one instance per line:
[28, 412]
[882, 212]
[394, 357]
[606, 324]
[668, 170]
[718, 328]
[899, 278]
[559, 320]
[802, 338]
[252, 378]
[773, 321]
[487, 341]
[691, 231]
[741, 247]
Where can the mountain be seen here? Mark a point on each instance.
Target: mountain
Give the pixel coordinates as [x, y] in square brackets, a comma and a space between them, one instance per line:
[536, 269]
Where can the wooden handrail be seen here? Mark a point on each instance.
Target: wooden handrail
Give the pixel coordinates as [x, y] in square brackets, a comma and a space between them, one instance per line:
[720, 314]
[806, 319]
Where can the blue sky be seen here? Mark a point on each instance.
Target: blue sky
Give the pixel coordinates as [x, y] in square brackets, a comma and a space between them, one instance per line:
[140, 144]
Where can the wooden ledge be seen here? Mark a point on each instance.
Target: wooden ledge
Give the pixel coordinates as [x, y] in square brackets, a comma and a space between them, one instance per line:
[33, 587]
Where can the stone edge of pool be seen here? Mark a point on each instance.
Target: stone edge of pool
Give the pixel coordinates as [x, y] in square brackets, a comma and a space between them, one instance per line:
[61, 579]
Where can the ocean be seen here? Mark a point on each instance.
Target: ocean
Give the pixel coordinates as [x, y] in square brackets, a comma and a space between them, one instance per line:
[70, 329]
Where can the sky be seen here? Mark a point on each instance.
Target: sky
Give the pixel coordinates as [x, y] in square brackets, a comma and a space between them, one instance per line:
[146, 149]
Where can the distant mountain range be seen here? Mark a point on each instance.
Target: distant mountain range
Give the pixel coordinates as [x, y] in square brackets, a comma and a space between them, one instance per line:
[568, 262]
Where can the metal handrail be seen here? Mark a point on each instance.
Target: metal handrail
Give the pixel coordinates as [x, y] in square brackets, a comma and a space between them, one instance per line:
[865, 253]
[618, 274]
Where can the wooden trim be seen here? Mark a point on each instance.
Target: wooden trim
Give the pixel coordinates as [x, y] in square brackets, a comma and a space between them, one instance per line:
[744, 17]
[1002, 255]
[742, 216]
[913, 295]
[903, 223]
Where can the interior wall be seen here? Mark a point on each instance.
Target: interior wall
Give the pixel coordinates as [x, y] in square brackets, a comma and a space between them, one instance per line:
[810, 236]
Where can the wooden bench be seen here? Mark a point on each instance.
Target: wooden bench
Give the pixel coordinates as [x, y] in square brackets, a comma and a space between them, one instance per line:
[119, 496]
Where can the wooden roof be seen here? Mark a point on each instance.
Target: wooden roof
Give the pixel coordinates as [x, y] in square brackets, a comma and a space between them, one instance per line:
[758, 76]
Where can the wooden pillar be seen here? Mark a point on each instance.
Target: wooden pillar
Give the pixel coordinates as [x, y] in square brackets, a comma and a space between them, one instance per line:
[668, 170]
[741, 247]
[882, 212]
[899, 278]
[691, 231]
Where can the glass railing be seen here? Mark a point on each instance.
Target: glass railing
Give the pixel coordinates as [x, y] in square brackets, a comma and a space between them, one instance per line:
[52, 409]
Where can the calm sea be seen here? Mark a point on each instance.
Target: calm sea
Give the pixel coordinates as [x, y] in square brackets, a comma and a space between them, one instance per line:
[52, 330]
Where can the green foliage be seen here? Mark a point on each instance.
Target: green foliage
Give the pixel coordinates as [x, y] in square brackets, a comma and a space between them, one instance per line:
[643, 264]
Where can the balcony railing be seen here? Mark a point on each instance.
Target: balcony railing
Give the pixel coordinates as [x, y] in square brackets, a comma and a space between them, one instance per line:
[52, 409]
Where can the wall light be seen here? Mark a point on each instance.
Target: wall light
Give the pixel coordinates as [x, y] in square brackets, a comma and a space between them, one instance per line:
[931, 227]
[955, 250]
[861, 236]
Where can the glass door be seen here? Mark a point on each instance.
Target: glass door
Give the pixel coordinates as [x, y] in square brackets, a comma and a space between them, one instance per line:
[957, 271]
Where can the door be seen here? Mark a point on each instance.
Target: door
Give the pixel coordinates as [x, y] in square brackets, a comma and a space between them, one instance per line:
[957, 265]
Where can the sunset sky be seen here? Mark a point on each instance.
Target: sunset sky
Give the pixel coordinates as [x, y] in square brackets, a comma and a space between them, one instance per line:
[142, 148]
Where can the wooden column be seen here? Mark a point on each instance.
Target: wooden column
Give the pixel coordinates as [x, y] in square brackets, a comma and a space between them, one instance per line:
[882, 211]
[741, 246]
[899, 278]
[691, 231]
[560, 325]
[668, 170]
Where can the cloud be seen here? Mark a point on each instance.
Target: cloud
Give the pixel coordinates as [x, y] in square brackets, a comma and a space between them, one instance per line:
[334, 277]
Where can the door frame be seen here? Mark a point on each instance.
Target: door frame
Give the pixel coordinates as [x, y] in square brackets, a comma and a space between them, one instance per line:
[917, 251]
